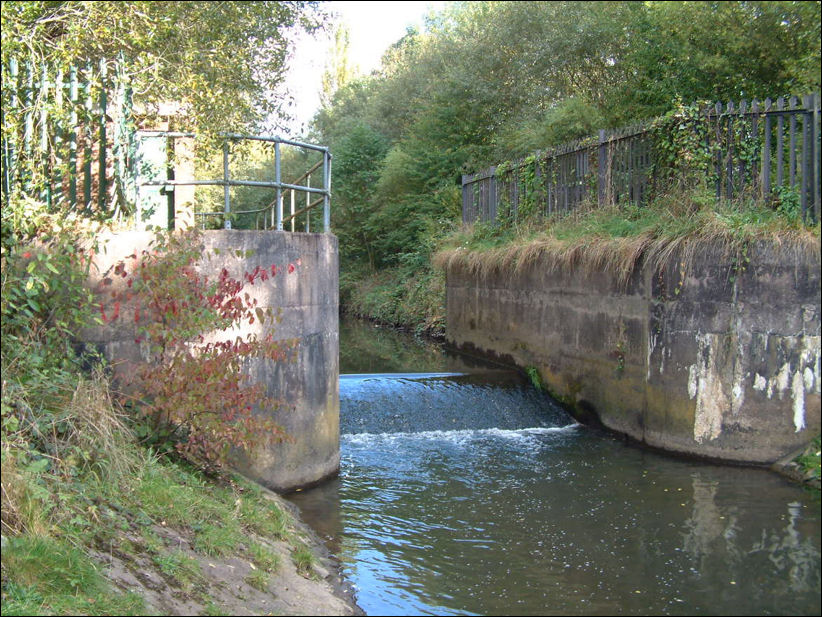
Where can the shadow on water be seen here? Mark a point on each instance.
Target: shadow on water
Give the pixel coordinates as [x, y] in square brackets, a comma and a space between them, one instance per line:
[464, 491]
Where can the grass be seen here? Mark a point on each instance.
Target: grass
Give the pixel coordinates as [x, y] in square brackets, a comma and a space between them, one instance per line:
[65, 497]
[177, 565]
[258, 579]
[45, 575]
[304, 559]
[616, 239]
[264, 558]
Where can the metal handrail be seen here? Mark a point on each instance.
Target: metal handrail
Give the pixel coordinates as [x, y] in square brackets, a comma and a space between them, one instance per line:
[280, 186]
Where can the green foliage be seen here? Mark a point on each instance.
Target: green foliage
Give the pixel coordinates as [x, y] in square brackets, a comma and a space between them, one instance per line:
[263, 557]
[535, 377]
[53, 577]
[810, 461]
[258, 579]
[216, 540]
[224, 63]
[491, 81]
[193, 392]
[304, 559]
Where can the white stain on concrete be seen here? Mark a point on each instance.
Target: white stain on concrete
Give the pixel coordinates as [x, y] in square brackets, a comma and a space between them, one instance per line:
[796, 377]
[705, 385]
[798, 392]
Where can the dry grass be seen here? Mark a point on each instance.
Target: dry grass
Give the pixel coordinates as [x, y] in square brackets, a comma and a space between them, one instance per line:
[88, 435]
[556, 250]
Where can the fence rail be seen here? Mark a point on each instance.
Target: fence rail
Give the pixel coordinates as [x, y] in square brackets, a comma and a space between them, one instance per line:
[749, 150]
[69, 137]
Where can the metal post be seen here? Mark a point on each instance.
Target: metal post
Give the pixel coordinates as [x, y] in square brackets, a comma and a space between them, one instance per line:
[806, 187]
[45, 193]
[293, 195]
[327, 195]
[102, 187]
[766, 153]
[815, 136]
[226, 189]
[601, 178]
[87, 135]
[308, 203]
[73, 136]
[278, 180]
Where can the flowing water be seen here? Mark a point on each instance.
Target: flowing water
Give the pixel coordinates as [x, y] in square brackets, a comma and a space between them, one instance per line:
[464, 491]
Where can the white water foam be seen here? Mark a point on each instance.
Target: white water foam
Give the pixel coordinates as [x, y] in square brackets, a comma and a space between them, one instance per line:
[455, 437]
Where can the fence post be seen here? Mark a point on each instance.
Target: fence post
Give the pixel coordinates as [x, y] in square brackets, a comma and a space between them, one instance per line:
[102, 187]
[278, 179]
[816, 162]
[45, 191]
[807, 155]
[766, 152]
[87, 133]
[601, 179]
[226, 188]
[73, 136]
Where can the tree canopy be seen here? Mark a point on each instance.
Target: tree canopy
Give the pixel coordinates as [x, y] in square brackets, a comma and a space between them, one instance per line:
[224, 60]
[489, 81]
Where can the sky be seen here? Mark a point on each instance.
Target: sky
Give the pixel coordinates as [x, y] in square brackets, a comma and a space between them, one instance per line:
[373, 27]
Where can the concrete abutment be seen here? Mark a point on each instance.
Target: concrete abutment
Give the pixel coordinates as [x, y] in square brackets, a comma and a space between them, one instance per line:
[712, 359]
[304, 293]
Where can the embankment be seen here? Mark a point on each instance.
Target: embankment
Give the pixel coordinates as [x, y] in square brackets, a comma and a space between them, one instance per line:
[715, 355]
[305, 295]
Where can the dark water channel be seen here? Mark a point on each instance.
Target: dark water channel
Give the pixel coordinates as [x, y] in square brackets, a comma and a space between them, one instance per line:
[463, 491]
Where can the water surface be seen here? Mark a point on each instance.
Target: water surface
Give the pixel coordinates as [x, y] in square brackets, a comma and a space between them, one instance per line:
[464, 491]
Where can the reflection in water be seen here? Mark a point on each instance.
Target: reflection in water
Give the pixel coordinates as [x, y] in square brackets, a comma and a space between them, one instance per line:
[460, 496]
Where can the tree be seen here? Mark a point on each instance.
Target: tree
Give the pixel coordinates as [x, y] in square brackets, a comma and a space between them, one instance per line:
[338, 70]
[224, 61]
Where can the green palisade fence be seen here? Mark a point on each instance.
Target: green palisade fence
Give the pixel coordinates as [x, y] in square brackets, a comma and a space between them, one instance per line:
[67, 134]
[754, 150]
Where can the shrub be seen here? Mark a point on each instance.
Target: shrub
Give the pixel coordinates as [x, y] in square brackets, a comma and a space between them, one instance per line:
[191, 386]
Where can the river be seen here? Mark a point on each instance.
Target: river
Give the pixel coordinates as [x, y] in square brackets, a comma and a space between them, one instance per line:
[464, 491]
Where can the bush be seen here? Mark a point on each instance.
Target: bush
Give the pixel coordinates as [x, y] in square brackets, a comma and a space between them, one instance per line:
[193, 392]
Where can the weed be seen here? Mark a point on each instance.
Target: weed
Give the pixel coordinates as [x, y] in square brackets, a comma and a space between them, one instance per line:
[809, 461]
[49, 576]
[214, 610]
[263, 557]
[216, 540]
[535, 377]
[258, 579]
[263, 517]
[176, 564]
[304, 559]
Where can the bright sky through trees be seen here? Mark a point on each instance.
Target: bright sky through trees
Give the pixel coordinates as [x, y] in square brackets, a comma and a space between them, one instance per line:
[373, 27]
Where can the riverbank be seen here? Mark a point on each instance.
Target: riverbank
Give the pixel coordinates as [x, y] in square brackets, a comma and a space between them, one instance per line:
[186, 546]
[96, 523]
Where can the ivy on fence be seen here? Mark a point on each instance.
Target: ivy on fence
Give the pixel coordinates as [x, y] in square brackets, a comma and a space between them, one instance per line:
[768, 152]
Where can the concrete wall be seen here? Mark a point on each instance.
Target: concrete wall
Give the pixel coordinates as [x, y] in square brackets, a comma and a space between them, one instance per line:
[307, 298]
[705, 360]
